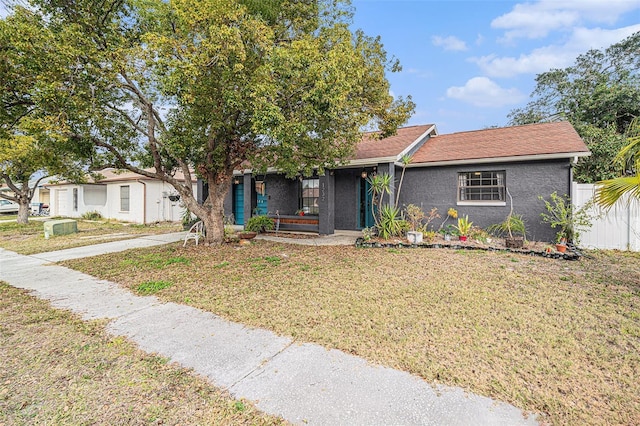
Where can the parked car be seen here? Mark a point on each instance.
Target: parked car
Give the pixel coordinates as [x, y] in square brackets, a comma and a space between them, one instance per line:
[7, 206]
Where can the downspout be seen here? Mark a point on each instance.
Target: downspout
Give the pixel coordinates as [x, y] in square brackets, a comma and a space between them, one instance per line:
[144, 201]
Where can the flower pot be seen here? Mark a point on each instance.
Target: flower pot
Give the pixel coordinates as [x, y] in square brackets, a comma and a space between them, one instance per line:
[561, 248]
[414, 237]
[247, 235]
[514, 242]
[447, 237]
[462, 238]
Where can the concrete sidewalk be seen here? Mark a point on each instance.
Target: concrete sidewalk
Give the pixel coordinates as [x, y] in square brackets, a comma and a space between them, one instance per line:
[303, 383]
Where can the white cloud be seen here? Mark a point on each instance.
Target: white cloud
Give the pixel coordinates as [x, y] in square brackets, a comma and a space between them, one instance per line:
[484, 92]
[449, 43]
[553, 56]
[536, 20]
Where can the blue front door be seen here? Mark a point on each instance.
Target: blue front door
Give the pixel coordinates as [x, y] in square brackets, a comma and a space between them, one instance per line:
[261, 206]
[238, 203]
[365, 202]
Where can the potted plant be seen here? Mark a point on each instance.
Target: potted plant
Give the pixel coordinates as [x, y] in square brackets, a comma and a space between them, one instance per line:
[561, 242]
[414, 217]
[463, 227]
[255, 225]
[448, 231]
[562, 214]
[512, 228]
[299, 212]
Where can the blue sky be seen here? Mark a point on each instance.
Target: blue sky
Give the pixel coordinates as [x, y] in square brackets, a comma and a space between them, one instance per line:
[467, 64]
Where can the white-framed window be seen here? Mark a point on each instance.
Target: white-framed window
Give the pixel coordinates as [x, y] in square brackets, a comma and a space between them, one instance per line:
[310, 191]
[124, 198]
[482, 188]
[75, 199]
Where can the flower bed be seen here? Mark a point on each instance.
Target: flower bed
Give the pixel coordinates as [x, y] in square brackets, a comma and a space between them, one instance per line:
[533, 249]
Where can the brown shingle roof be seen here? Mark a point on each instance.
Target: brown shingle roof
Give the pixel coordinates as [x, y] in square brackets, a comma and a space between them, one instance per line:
[529, 140]
[391, 146]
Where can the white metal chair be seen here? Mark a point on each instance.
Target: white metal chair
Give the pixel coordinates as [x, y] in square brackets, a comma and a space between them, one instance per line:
[195, 233]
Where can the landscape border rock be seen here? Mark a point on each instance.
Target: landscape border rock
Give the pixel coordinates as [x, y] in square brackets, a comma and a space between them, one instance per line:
[568, 255]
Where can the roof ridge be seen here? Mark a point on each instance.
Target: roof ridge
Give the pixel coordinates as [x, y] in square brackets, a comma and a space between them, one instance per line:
[503, 127]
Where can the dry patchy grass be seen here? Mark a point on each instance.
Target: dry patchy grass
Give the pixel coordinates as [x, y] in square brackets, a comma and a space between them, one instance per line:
[57, 369]
[557, 337]
[29, 238]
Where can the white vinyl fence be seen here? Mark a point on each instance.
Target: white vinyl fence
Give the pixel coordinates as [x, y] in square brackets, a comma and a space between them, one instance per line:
[619, 228]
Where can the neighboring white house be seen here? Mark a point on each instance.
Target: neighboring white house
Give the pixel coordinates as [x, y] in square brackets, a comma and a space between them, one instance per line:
[119, 195]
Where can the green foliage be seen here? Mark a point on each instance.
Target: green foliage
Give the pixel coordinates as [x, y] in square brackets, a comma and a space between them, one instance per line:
[37, 79]
[599, 94]
[93, 215]
[259, 223]
[429, 236]
[277, 83]
[464, 225]
[513, 225]
[368, 233]
[391, 222]
[379, 185]
[151, 287]
[610, 191]
[561, 214]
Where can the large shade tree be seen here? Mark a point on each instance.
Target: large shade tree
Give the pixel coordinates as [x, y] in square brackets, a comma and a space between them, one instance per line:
[36, 80]
[599, 95]
[208, 86]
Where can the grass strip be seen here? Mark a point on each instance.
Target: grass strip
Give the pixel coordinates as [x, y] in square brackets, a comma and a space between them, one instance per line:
[58, 369]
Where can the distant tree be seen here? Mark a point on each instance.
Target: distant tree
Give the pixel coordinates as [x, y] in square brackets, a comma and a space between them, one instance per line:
[35, 77]
[599, 95]
[628, 159]
[279, 83]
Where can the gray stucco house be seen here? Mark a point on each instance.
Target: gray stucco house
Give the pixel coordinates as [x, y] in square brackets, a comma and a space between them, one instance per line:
[470, 171]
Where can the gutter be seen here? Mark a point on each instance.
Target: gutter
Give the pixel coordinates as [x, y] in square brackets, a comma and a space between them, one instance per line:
[144, 201]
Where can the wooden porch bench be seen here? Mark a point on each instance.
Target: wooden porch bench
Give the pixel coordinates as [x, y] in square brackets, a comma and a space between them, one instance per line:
[295, 223]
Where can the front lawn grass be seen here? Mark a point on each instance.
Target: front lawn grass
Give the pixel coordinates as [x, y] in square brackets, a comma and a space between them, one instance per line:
[550, 336]
[29, 238]
[58, 369]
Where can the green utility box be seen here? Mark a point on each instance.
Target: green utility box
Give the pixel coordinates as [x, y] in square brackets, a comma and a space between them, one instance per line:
[60, 227]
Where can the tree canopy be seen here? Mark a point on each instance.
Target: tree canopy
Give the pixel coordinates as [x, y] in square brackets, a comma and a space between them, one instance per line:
[599, 95]
[36, 80]
[206, 86]
[628, 159]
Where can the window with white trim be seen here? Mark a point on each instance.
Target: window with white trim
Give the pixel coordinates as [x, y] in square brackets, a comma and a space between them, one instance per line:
[124, 198]
[481, 187]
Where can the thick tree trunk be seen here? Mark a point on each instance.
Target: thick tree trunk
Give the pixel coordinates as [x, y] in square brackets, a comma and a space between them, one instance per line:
[23, 211]
[214, 220]
[211, 212]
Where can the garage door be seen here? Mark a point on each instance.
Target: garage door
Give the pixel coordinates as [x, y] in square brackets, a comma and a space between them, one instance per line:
[61, 202]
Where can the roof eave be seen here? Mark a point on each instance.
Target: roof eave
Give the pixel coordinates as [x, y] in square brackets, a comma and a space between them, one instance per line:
[511, 159]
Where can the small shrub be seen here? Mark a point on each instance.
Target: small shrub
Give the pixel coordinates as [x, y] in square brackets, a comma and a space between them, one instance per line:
[512, 225]
[561, 214]
[368, 233]
[93, 215]
[429, 236]
[464, 225]
[391, 222]
[259, 224]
